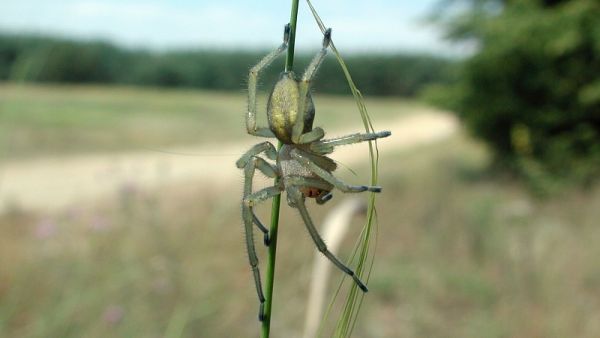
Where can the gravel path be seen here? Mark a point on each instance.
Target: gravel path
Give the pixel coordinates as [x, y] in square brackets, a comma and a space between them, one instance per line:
[50, 184]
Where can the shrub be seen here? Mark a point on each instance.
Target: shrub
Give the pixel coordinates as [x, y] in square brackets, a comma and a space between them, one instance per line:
[532, 91]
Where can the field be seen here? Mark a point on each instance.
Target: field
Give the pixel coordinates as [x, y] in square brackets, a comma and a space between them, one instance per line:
[59, 120]
[461, 252]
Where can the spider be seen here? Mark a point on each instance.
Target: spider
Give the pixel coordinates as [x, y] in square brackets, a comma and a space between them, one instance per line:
[300, 164]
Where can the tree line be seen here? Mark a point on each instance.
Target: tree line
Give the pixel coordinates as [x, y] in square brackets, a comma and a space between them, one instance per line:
[26, 58]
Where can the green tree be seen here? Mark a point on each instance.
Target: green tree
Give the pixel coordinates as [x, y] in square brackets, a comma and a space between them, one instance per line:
[532, 89]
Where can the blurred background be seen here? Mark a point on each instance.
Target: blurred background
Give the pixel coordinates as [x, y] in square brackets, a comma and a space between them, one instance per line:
[120, 122]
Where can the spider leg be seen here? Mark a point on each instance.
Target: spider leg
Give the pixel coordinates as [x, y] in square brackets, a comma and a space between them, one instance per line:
[298, 201]
[314, 135]
[267, 169]
[266, 147]
[248, 216]
[249, 170]
[326, 146]
[312, 182]
[298, 135]
[325, 198]
[250, 199]
[327, 176]
[255, 198]
[312, 68]
[307, 182]
[252, 83]
[317, 133]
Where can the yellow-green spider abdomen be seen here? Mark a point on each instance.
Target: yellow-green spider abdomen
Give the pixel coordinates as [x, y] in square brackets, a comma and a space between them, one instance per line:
[289, 96]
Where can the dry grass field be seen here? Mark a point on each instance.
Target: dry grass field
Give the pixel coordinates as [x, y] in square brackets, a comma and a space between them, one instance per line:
[461, 252]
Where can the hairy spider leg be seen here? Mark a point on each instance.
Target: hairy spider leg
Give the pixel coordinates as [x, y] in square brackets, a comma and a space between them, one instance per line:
[327, 176]
[312, 68]
[301, 181]
[251, 156]
[252, 84]
[327, 146]
[269, 171]
[313, 183]
[304, 86]
[264, 147]
[247, 214]
[298, 201]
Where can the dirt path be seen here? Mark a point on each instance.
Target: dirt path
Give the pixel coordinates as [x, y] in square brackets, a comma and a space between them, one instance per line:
[51, 184]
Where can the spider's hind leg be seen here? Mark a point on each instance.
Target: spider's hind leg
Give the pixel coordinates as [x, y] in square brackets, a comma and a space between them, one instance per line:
[298, 201]
[327, 176]
[317, 133]
[299, 181]
[251, 126]
[324, 198]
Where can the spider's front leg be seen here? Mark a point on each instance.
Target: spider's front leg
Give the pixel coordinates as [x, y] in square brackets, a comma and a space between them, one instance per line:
[327, 146]
[297, 201]
[252, 84]
[298, 135]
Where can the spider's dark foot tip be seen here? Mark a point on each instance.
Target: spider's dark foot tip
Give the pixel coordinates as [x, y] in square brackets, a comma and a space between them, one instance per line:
[360, 284]
[375, 189]
[323, 199]
[267, 240]
[327, 38]
[261, 313]
[286, 33]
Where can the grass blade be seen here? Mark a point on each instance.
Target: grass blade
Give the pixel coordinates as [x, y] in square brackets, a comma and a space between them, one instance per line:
[363, 248]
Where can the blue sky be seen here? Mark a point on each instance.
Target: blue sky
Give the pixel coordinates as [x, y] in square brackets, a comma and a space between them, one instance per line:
[368, 25]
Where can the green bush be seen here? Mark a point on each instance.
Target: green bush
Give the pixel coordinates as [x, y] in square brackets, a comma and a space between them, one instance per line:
[532, 91]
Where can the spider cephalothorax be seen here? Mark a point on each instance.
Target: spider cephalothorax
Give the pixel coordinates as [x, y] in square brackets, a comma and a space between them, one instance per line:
[301, 164]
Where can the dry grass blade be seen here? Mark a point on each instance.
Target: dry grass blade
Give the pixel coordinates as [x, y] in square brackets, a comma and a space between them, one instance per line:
[363, 249]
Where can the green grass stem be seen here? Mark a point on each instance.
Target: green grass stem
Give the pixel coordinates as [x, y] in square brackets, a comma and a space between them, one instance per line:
[270, 276]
